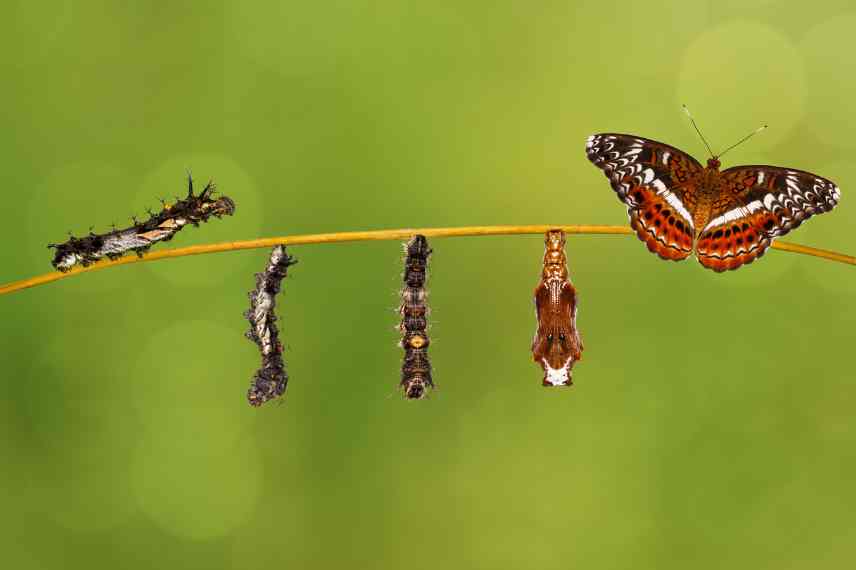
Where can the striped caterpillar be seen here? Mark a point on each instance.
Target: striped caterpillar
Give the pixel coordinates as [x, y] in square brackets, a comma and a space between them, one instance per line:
[141, 236]
[557, 344]
[271, 379]
[415, 368]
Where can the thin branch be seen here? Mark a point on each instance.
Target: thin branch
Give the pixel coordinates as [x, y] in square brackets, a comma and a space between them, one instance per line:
[398, 234]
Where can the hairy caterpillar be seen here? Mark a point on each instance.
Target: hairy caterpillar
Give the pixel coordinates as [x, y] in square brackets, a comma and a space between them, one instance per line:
[415, 368]
[141, 236]
[271, 379]
[557, 344]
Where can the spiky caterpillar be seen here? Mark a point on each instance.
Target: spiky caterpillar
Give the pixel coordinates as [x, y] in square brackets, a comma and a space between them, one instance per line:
[271, 379]
[557, 345]
[416, 368]
[141, 236]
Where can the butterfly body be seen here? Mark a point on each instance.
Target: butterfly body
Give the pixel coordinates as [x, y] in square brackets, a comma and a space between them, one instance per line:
[728, 218]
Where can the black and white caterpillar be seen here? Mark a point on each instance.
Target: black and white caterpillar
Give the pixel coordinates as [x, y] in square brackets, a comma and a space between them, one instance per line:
[416, 368]
[271, 379]
[141, 236]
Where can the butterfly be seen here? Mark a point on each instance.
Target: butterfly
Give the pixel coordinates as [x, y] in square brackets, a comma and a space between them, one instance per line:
[729, 218]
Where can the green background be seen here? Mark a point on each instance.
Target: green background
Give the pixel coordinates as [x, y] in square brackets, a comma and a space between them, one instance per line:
[711, 424]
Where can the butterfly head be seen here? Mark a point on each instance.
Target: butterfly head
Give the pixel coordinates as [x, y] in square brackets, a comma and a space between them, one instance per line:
[713, 163]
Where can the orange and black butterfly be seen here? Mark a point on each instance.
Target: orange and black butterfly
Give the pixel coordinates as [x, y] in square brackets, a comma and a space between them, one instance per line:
[728, 217]
[557, 345]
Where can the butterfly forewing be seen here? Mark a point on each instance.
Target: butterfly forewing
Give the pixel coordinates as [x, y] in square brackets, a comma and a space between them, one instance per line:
[755, 205]
[655, 181]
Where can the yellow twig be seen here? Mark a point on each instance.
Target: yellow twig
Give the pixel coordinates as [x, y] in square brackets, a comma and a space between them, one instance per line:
[372, 236]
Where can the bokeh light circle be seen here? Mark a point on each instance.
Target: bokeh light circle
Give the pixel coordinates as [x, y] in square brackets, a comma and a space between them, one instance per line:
[196, 473]
[739, 76]
[831, 74]
[195, 381]
[194, 488]
[73, 198]
[169, 180]
[84, 433]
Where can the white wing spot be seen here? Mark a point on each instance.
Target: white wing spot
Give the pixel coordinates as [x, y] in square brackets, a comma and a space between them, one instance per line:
[735, 214]
[768, 201]
[676, 203]
[793, 185]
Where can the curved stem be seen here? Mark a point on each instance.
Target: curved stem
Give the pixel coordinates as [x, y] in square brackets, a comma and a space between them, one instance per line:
[376, 235]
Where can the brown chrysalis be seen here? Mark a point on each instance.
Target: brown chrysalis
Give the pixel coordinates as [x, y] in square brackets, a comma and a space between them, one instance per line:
[415, 368]
[557, 344]
[271, 379]
[141, 236]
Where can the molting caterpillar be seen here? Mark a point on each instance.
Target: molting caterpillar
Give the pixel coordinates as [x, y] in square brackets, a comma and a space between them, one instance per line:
[271, 379]
[141, 236]
[415, 368]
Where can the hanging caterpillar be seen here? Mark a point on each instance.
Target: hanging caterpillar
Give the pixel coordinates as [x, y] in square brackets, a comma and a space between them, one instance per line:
[557, 345]
[141, 236]
[271, 379]
[415, 368]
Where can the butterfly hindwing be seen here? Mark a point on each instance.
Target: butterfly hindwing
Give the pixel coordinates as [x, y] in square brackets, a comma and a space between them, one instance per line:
[652, 179]
[660, 225]
[735, 242]
[758, 204]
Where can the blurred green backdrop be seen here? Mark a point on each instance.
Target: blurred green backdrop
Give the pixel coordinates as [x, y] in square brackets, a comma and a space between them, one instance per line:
[711, 423]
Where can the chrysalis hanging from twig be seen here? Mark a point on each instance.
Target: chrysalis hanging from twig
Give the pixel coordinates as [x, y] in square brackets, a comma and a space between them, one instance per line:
[141, 236]
[557, 344]
[416, 368]
[271, 379]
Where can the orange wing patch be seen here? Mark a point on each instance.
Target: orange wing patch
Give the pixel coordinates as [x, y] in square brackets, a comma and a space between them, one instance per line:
[738, 242]
[664, 229]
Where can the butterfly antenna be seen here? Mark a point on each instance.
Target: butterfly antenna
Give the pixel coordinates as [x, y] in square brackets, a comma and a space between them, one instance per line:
[744, 139]
[704, 140]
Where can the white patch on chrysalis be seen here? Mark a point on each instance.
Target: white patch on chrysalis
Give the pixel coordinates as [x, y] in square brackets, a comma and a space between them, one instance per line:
[557, 377]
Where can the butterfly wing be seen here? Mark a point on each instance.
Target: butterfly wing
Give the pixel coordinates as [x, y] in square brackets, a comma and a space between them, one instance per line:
[657, 184]
[758, 204]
